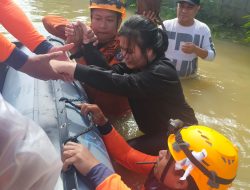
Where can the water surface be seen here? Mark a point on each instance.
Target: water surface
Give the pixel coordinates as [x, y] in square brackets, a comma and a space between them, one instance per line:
[219, 95]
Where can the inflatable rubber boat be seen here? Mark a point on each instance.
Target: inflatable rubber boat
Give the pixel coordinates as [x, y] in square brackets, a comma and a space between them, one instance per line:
[51, 105]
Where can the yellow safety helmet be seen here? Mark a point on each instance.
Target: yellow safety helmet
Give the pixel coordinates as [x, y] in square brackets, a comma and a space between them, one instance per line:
[113, 5]
[218, 169]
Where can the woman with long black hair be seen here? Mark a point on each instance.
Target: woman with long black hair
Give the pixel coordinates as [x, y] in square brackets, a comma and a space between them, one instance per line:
[145, 76]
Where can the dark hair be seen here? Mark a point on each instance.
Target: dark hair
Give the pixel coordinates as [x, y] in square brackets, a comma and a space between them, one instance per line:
[141, 31]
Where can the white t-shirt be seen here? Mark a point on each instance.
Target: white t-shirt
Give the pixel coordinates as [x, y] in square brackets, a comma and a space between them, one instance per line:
[199, 33]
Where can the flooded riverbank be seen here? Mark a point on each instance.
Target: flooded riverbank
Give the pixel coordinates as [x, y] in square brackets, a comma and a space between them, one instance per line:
[219, 95]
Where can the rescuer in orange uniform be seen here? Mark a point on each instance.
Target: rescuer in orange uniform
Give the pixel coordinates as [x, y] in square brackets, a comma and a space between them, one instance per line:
[106, 18]
[198, 158]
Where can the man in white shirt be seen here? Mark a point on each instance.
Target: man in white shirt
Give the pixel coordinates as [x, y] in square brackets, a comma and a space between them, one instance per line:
[189, 39]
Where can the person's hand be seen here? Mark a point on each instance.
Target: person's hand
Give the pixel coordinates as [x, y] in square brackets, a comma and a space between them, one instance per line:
[88, 34]
[64, 68]
[97, 114]
[79, 156]
[39, 66]
[188, 47]
[150, 15]
[65, 48]
[74, 34]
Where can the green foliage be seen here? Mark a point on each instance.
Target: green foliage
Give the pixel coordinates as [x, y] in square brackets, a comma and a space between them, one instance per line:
[247, 27]
[168, 10]
[215, 14]
[210, 11]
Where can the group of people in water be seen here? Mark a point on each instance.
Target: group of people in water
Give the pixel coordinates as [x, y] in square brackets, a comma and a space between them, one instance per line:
[135, 66]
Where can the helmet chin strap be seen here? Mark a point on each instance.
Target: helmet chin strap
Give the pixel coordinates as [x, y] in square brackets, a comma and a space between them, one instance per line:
[179, 165]
[165, 170]
[213, 179]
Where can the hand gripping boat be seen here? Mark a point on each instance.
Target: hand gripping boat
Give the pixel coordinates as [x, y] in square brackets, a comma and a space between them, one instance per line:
[39, 100]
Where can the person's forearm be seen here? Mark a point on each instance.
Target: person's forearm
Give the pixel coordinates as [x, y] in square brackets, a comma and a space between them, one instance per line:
[130, 85]
[202, 53]
[102, 178]
[114, 181]
[16, 59]
[211, 55]
[97, 78]
[10, 54]
[98, 174]
[122, 152]
[209, 46]
[93, 56]
[39, 66]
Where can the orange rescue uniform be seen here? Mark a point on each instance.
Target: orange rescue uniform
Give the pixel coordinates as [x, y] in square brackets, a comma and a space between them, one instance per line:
[110, 104]
[126, 156]
[17, 23]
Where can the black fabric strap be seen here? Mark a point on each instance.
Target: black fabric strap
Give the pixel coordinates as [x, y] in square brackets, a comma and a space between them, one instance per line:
[105, 129]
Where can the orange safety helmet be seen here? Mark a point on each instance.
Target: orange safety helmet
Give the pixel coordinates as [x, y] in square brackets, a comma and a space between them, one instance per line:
[113, 5]
[219, 167]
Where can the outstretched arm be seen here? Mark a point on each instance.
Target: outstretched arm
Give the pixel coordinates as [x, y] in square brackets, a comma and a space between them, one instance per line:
[39, 67]
[26, 33]
[99, 175]
[116, 145]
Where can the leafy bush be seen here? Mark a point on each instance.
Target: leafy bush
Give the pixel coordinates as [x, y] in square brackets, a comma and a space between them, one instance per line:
[214, 13]
[247, 27]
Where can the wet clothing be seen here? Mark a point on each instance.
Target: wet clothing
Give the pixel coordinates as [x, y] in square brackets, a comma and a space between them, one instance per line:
[150, 143]
[18, 24]
[199, 33]
[155, 93]
[110, 104]
[123, 154]
[102, 178]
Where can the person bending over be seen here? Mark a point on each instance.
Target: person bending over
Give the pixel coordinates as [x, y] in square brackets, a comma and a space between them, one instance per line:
[145, 76]
[106, 18]
[198, 158]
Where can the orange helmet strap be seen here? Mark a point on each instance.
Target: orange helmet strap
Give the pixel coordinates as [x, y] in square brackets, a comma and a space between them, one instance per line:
[214, 180]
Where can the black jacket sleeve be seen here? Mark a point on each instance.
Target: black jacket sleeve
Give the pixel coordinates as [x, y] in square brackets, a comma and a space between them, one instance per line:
[143, 84]
[91, 55]
[94, 57]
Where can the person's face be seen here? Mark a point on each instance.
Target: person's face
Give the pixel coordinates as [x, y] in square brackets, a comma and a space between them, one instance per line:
[186, 13]
[105, 24]
[132, 54]
[172, 177]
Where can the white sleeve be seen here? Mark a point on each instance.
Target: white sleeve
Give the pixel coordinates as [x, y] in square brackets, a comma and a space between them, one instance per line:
[208, 44]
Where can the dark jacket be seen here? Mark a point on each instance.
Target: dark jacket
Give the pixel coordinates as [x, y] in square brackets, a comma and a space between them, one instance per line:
[155, 93]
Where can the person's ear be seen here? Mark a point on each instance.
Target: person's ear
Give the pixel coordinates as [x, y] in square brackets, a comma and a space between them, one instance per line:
[150, 53]
[198, 8]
